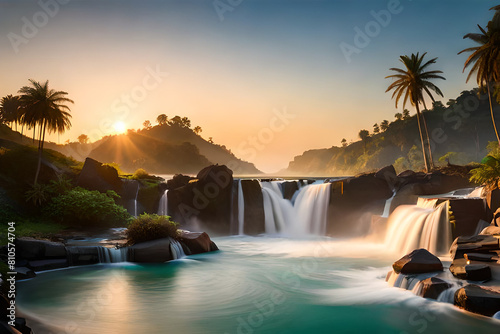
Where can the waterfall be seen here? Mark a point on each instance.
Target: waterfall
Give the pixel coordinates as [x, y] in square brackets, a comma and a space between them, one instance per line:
[387, 207]
[112, 255]
[241, 209]
[311, 207]
[411, 227]
[163, 206]
[448, 295]
[135, 201]
[278, 211]
[176, 249]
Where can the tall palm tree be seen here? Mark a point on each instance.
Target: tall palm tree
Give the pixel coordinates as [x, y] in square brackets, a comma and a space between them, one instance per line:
[485, 58]
[45, 108]
[9, 109]
[413, 81]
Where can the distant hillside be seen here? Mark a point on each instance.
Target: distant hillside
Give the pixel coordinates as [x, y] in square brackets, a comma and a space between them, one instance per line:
[133, 151]
[459, 131]
[175, 134]
[162, 149]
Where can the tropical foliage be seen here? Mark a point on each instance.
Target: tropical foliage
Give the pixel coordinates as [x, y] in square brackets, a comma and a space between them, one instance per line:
[148, 227]
[45, 108]
[413, 81]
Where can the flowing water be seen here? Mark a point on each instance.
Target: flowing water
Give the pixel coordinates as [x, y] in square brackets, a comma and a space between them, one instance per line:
[254, 285]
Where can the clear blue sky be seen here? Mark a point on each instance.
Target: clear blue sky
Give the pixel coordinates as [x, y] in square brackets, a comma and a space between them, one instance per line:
[232, 76]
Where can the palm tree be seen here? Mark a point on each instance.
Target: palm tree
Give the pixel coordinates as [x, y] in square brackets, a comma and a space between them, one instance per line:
[376, 128]
[413, 81]
[398, 116]
[197, 129]
[9, 109]
[384, 125]
[485, 58]
[45, 108]
[162, 119]
[147, 125]
[364, 135]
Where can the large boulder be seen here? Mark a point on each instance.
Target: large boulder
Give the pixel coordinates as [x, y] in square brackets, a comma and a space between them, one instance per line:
[204, 203]
[388, 174]
[154, 251]
[289, 188]
[417, 262]
[432, 287]
[477, 299]
[197, 242]
[96, 176]
[471, 272]
[32, 249]
[353, 202]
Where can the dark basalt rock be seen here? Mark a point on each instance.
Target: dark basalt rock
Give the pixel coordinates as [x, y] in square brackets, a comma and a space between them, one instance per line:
[432, 287]
[353, 201]
[289, 188]
[96, 176]
[254, 207]
[197, 242]
[481, 300]
[417, 262]
[154, 251]
[205, 202]
[31, 249]
[472, 272]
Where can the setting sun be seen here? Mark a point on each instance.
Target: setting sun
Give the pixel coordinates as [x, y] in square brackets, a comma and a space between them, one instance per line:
[120, 127]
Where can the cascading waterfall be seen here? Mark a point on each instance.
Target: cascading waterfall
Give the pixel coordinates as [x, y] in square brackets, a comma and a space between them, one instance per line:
[311, 207]
[387, 207]
[135, 200]
[163, 206]
[176, 249]
[277, 210]
[307, 215]
[112, 255]
[412, 226]
[241, 209]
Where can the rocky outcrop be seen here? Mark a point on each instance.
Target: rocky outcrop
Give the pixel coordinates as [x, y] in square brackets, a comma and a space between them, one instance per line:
[471, 272]
[353, 201]
[205, 202]
[154, 251]
[432, 287]
[289, 188]
[418, 261]
[477, 299]
[254, 207]
[467, 212]
[411, 185]
[197, 242]
[96, 176]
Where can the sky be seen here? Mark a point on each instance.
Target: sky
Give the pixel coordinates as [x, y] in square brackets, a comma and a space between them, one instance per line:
[269, 79]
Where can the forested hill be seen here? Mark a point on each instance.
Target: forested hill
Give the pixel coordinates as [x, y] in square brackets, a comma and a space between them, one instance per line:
[459, 132]
[169, 148]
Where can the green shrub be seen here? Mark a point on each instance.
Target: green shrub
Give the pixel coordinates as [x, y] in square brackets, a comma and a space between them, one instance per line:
[140, 174]
[488, 173]
[81, 207]
[148, 227]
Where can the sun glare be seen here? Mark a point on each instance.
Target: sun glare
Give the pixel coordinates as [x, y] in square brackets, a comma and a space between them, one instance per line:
[120, 127]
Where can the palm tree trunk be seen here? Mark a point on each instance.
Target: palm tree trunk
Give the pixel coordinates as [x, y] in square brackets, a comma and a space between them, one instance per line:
[492, 115]
[34, 128]
[426, 163]
[431, 160]
[40, 150]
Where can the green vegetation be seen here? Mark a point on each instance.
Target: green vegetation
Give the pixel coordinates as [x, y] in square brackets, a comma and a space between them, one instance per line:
[488, 174]
[412, 82]
[148, 227]
[45, 108]
[140, 174]
[484, 59]
[84, 208]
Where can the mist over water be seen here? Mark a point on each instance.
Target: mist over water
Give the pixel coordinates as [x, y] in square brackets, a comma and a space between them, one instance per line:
[254, 285]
